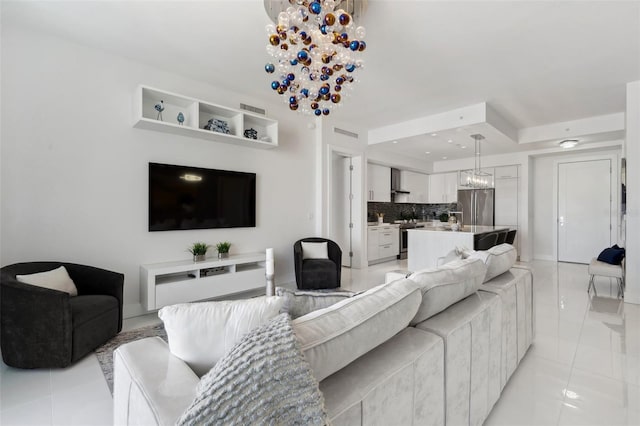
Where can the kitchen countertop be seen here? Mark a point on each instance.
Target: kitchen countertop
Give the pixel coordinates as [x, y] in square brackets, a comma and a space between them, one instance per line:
[469, 229]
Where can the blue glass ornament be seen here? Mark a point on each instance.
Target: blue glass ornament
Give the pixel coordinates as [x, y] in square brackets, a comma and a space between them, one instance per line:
[292, 100]
[275, 85]
[269, 68]
[317, 112]
[293, 62]
[326, 111]
[323, 29]
[291, 76]
[303, 55]
[323, 90]
[324, 77]
[305, 92]
[350, 67]
[354, 45]
[315, 8]
[180, 118]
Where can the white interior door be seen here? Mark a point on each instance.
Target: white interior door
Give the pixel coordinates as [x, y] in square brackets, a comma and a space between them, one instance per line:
[584, 209]
[342, 200]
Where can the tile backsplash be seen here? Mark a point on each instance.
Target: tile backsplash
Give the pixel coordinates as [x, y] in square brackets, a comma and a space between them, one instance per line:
[399, 211]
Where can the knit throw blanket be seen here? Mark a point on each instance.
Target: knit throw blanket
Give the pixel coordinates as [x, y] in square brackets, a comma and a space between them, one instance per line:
[263, 380]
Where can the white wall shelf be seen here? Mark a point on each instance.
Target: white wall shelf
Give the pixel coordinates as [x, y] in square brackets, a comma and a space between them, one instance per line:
[197, 113]
[182, 281]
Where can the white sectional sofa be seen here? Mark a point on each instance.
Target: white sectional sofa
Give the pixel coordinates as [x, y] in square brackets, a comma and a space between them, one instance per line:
[387, 356]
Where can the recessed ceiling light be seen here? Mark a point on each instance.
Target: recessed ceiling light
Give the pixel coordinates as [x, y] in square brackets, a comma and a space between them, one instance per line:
[444, 158]
[450, 141]
[427, 152]
[568, 143]
[434, 134]
[463, 147]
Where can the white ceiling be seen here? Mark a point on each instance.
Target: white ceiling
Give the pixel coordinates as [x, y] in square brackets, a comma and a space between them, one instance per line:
[533, 62]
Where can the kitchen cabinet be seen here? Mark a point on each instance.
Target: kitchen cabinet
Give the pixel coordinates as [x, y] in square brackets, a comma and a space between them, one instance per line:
[506, 199]
[418, 186]
[378, 183]
[383, 243]
[443, 188]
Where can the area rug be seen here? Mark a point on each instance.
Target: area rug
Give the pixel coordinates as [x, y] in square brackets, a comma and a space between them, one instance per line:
[105, 352]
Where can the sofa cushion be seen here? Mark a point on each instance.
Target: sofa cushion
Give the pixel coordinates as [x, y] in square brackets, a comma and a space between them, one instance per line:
[56, 279]
[319, 273]
[443, 286]
[499, 259]
[301, 302]
[201, 333]
[335, 336]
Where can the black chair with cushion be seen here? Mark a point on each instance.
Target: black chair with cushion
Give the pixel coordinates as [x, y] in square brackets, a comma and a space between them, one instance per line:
[511, 236]
[45, 328]
[485, 242]
[317, 273]
[502, 237]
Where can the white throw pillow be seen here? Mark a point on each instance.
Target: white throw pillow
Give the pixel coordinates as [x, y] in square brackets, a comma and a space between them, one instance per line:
[298, 303]
[202, 333]
[315, 251]
[499, 259]
[447, 284]
[337, 335]
[57, 279]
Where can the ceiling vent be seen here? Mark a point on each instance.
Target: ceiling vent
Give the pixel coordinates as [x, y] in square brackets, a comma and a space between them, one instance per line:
[345, 132]
[253, 109]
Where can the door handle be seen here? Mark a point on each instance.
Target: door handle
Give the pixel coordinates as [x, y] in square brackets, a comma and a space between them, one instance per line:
[561, 220]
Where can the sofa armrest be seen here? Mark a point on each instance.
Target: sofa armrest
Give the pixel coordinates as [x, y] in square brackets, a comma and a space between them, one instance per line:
[151, 386]
[36, 326]
[92, 280]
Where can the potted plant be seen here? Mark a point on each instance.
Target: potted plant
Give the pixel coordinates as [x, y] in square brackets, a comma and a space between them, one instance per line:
[223, 249]
[198, 250]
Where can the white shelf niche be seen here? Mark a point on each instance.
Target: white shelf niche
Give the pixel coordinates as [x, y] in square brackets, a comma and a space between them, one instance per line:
[197, 113]
[183, 281]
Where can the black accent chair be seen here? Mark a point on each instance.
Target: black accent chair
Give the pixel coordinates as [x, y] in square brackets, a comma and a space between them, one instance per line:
[313, 274]
[45, 328]
[502, 237]
[511, 236]
[485, 242]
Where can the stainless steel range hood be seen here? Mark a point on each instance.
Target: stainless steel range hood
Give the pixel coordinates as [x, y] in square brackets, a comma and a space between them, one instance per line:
[396, 182]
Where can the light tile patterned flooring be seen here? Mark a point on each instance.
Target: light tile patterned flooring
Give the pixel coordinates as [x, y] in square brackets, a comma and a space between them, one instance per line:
[583, 368]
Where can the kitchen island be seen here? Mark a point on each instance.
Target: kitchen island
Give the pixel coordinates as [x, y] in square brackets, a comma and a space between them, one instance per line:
[426, 245]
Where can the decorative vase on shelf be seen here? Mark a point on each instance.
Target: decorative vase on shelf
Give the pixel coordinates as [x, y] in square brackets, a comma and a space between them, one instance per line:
[199, 257]
[223, 255]
[180, 118]
[159, 107]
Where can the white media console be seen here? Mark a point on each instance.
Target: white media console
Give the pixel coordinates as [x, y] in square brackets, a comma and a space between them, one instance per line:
[168, 283]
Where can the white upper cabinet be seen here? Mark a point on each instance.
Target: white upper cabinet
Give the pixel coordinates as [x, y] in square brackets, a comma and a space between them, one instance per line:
[443, 188]
[417, 184]
[506, 172]
[379, 183]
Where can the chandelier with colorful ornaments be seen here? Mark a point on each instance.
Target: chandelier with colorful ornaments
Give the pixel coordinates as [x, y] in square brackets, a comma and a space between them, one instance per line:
[316, 49]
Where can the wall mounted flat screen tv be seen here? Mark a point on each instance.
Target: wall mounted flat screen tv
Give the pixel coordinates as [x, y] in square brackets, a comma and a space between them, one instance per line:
[182, 197]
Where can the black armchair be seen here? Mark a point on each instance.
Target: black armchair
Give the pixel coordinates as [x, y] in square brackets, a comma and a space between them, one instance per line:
[44, 328]
[313, 274]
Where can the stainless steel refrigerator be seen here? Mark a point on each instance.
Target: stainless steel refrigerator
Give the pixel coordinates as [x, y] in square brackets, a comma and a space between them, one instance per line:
[476, 206]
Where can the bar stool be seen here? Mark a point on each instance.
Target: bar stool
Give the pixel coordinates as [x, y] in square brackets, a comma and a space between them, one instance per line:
[604, 269]
[502, 237]
[486, 242]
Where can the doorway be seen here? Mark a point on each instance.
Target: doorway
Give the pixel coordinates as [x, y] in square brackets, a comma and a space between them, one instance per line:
[346, 206]
[584, 209]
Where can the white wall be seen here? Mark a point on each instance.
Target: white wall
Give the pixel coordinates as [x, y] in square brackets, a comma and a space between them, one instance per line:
[632, 152]
[74, 170]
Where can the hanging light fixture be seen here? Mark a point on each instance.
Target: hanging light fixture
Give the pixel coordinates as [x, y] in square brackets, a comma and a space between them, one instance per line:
[316, 48]
[476, 178]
